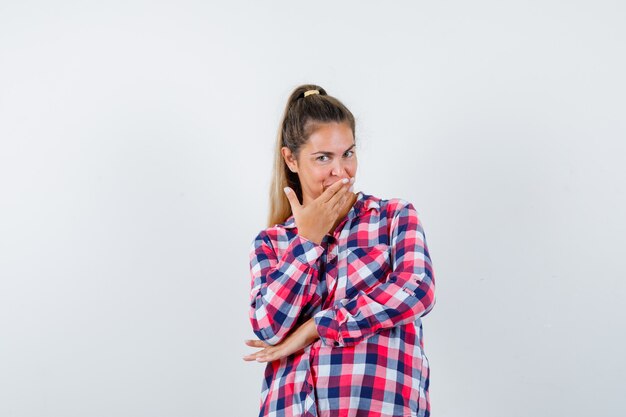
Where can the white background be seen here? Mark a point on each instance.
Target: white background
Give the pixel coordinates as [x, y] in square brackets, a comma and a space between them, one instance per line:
[136, 142]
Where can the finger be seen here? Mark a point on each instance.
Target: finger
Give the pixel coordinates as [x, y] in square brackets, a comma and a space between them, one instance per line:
[341, 203]
[330, 191]
[250, 357]
[255, 358]
[256, 355]
[256, 343]
[337, 195]
[337, 198]
[293, 199]
[262, 356]
[268, 356]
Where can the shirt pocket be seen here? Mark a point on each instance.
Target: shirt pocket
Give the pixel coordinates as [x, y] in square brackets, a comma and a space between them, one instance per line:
[367, 267]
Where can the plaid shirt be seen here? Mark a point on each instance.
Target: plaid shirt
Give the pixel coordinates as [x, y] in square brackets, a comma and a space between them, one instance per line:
[367, 286]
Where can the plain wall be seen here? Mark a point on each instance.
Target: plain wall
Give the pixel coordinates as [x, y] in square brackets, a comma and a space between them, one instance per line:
[136, 144]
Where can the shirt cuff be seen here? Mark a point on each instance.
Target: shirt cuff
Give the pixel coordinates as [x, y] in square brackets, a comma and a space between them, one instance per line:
[327, 328]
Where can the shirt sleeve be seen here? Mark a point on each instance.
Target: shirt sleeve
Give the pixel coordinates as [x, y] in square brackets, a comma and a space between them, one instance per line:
[281, 287]
[408, 292]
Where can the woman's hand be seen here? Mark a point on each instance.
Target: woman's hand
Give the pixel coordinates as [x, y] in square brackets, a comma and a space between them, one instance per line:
[316, 218]
[299, 339]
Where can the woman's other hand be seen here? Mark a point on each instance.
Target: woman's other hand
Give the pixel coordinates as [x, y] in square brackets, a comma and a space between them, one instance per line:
[299, 339]
[316, 218]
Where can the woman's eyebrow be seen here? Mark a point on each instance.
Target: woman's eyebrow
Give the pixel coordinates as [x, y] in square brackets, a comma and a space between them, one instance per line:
[330, 153]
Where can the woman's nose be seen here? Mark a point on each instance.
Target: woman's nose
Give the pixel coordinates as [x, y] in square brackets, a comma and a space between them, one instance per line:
[339, 169]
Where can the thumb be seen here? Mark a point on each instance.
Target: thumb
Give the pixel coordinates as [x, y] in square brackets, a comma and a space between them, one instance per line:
[293, 199]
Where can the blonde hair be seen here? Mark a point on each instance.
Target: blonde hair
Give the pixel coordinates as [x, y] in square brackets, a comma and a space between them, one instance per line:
[301, 117]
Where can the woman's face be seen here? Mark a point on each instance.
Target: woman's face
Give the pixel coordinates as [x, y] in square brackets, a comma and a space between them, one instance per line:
[328, 156]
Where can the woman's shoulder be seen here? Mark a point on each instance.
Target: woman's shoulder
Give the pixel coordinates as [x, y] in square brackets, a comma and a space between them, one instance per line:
[269, 234]
[275, 235]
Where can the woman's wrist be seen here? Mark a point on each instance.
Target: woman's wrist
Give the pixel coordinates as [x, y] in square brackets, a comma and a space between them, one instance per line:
[315, 239]
[311, 331]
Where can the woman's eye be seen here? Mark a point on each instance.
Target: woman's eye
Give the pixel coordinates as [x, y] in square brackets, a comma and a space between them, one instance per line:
[321, 156]
[349, 152]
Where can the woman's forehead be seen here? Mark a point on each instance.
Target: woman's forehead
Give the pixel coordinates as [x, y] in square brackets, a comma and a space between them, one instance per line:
[330, 137]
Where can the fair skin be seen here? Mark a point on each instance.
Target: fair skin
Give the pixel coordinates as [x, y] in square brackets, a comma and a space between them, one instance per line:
[326, 166]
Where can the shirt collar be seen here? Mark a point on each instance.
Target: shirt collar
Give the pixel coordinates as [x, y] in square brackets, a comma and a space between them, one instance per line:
[364, 202]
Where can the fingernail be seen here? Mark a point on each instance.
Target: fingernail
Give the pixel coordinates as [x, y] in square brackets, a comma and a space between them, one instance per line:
[352, 180]
[286, 189]
[345, 180]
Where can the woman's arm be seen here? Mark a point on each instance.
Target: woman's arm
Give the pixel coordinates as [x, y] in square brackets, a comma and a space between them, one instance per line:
[408, 292]
[281, 287]
[299, 339]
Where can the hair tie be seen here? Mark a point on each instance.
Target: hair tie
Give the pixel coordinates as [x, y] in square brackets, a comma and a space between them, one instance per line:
[309, 92]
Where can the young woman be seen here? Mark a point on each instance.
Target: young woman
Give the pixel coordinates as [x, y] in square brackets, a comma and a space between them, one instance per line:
[340, 280]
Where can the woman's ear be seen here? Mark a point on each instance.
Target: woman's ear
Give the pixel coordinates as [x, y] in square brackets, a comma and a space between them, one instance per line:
[291, 162]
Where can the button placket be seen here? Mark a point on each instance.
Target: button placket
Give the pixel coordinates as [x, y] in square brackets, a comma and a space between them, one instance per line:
[327, 277]
[342, 265]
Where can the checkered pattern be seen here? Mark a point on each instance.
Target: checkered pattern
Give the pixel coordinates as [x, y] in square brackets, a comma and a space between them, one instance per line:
[367, 286]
